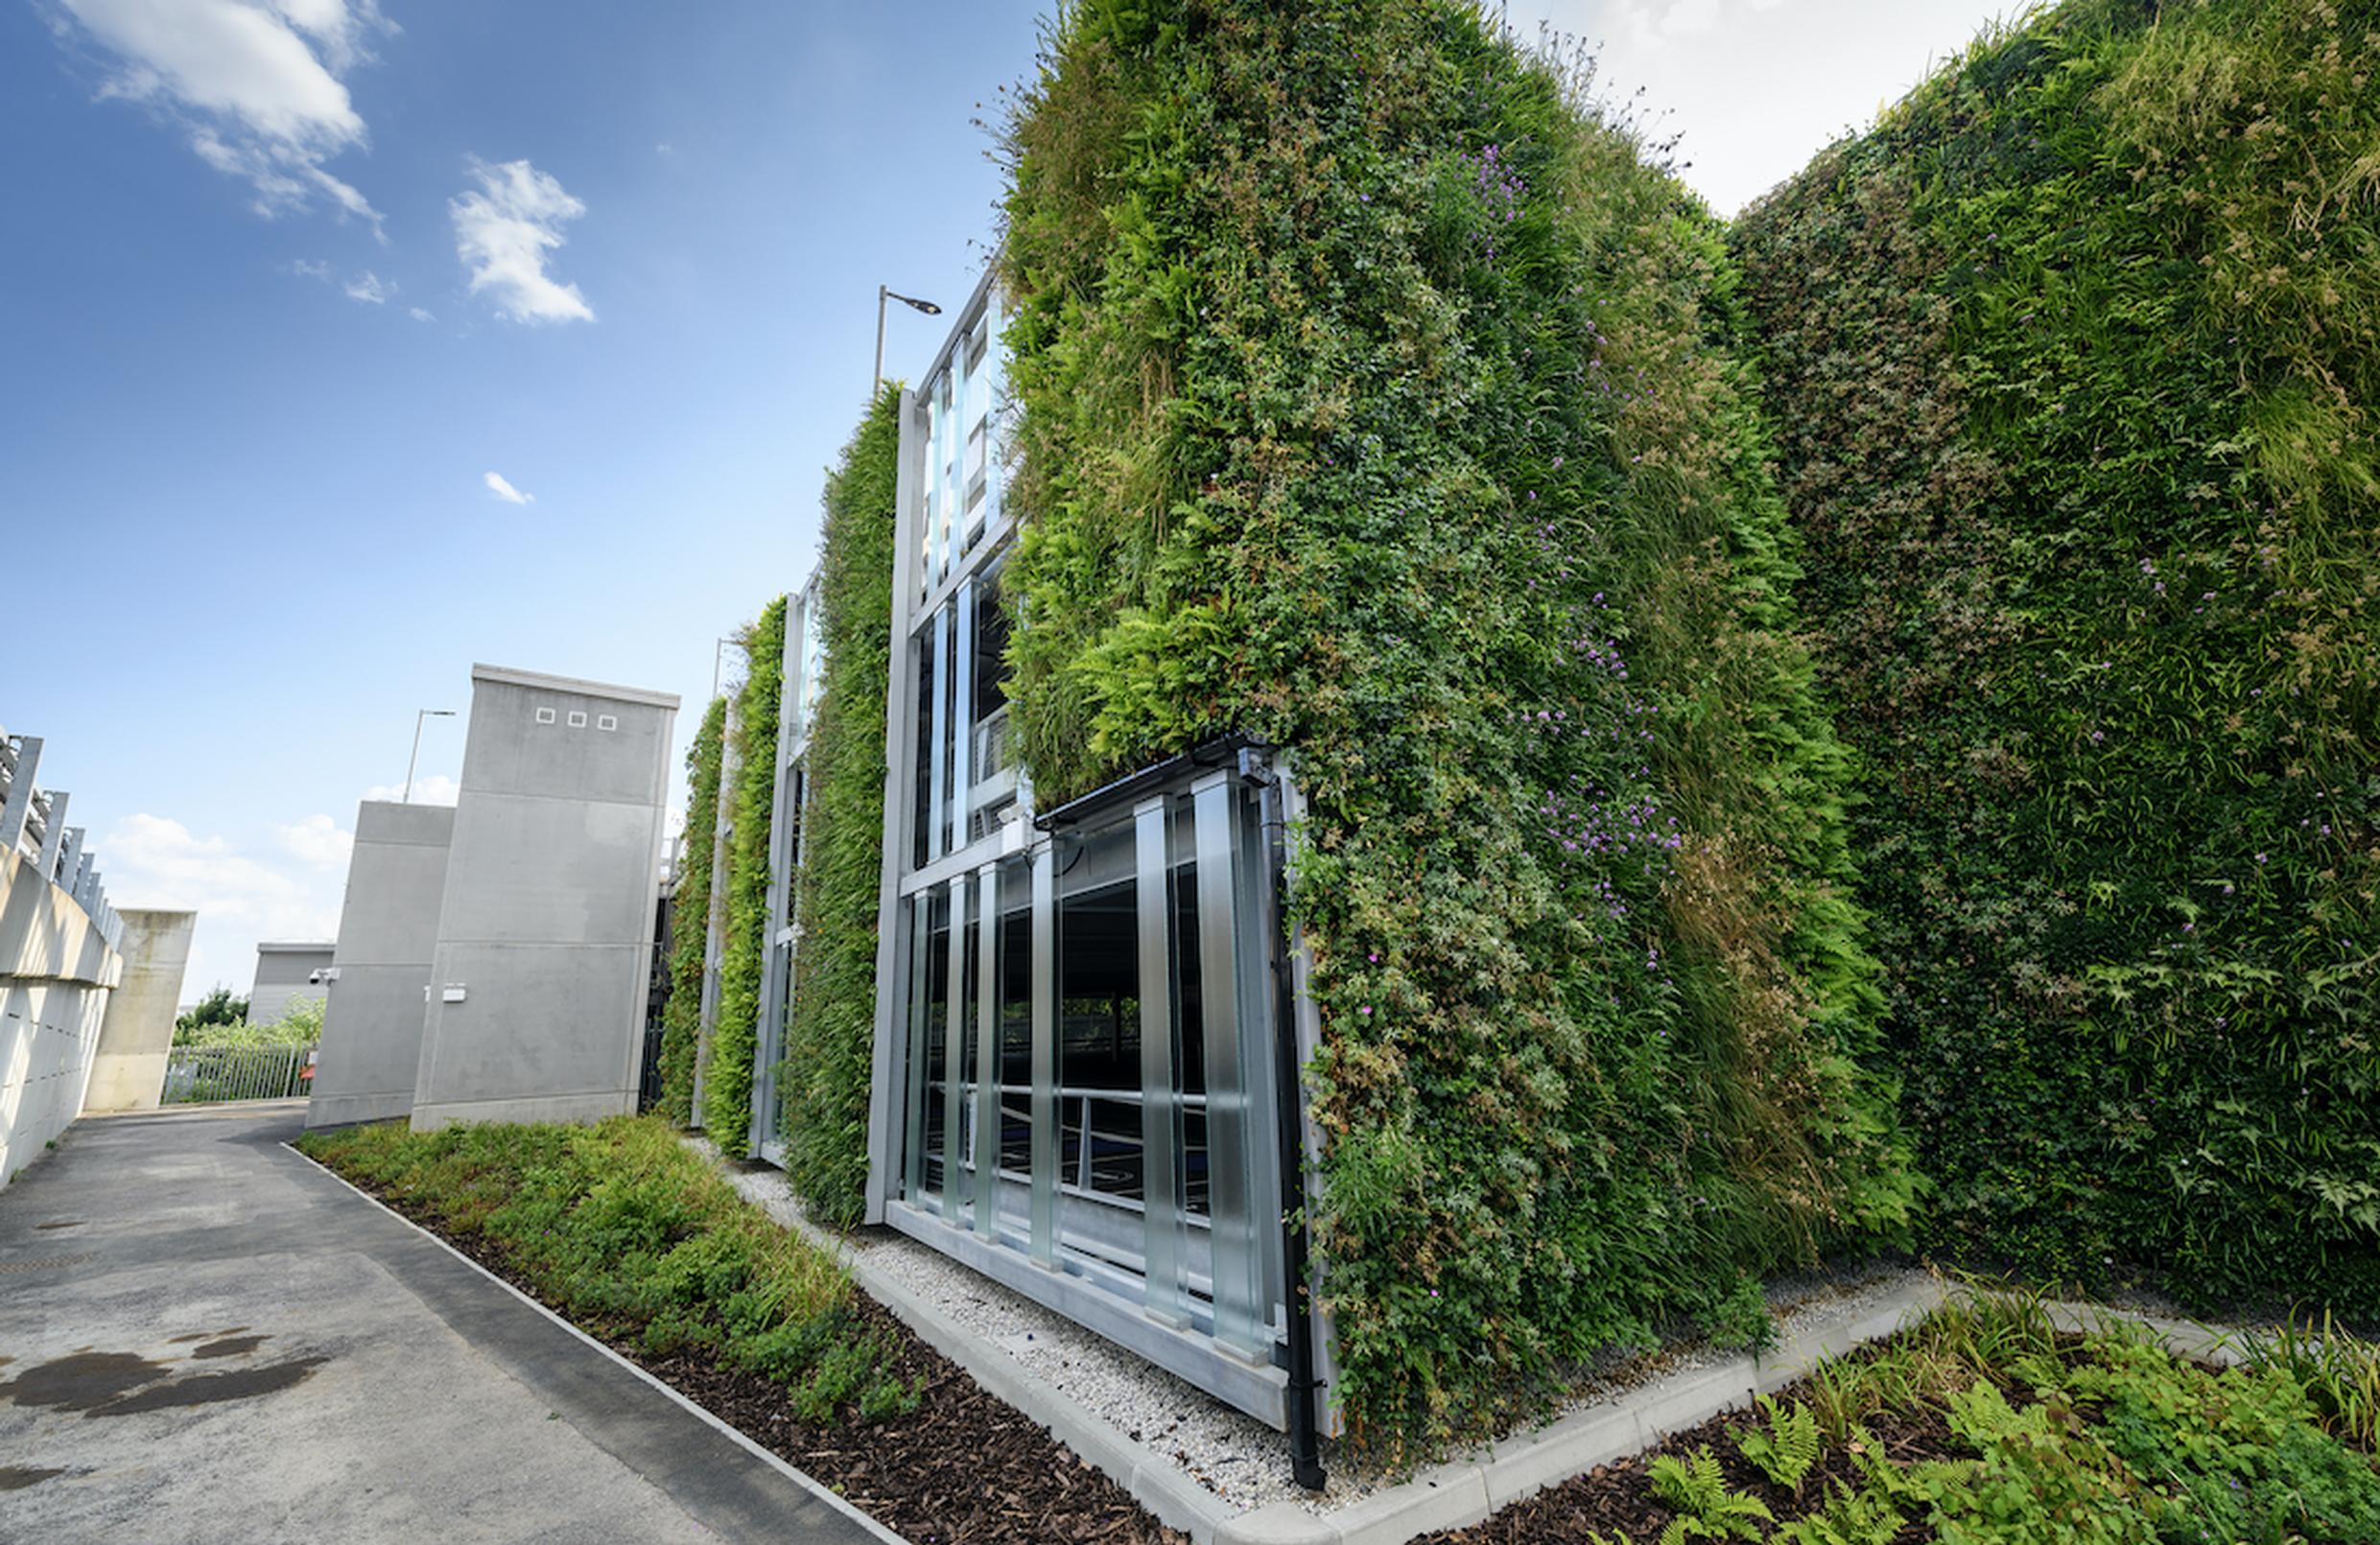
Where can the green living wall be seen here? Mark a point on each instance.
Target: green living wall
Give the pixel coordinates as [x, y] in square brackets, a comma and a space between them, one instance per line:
[681, 1016]
[743, 955]
[832, 1032]
[1378, 399]
[2074, 362]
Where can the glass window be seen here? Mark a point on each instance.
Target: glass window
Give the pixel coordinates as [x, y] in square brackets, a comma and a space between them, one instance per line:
[1189, 1045]
[1016, 1020]
[1099, 1016]
[922, 791]
[929, 1011]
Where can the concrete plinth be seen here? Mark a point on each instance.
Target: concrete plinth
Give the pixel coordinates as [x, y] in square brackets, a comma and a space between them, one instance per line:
[137, 1033]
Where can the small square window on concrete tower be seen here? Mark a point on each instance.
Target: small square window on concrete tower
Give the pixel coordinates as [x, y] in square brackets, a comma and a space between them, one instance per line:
[607, 721]
[578, 718]
[545, 715]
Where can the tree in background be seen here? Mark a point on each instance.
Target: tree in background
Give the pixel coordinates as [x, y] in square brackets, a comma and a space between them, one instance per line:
[299, 1025]
[217, 1008]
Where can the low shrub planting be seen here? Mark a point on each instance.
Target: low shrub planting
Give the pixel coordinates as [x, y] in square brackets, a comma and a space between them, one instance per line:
[626, 1231]
[1988, 1422]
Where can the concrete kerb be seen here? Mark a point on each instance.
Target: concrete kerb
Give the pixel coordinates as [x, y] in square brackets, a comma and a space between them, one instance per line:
[732, 1434]
[1445, 1496]
[1460, 1493]
[1455, 1495]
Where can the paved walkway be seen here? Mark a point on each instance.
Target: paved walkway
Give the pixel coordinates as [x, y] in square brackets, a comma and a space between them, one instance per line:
[203, 1336]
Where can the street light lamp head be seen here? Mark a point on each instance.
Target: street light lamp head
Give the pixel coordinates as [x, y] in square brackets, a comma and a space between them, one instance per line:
[415, 760]
[883, 293]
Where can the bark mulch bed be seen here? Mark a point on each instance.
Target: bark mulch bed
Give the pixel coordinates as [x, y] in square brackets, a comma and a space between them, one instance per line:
[1616, 1497]
[965, 1466]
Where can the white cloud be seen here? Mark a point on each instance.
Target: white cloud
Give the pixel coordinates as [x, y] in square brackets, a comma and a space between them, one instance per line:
[1753, 89]
[1653, 21]
[504, 230]
[317, 840]
[435, 789]
[505, 491]
[311, 269]
[155, 861]
[254, 84]
[370, 288]
[420, 316]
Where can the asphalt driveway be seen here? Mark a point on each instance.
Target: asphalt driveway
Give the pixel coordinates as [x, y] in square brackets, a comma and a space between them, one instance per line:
[204, 1336]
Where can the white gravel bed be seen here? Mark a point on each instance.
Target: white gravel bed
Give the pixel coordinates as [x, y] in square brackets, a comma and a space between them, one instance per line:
[1241, 1461]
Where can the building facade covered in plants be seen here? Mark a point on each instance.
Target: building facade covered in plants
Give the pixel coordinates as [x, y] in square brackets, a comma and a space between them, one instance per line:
[1347, 777]
[2074, 362]
[1301, 822]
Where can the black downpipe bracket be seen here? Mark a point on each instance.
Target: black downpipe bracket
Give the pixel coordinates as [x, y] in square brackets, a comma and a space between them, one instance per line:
[1305, 1390]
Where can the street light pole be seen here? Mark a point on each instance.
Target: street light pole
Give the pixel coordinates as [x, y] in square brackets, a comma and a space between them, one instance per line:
[884, 295]
[719, 654]
[413, 761]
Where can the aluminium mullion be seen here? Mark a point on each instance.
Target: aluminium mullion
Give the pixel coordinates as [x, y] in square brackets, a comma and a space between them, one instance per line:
[1044, 1237]
[1236, 1257]
[954, 1065]
[1161, 1186]
[962, 713]
[988, 1119]
[919, 1091]
[939, 744]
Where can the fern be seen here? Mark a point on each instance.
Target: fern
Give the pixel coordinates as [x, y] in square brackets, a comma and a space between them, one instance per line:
[1788, 1449]
[1704, 1504]
[1849, 1518]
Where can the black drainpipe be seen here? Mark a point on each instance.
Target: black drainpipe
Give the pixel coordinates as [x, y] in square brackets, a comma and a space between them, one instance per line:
[1304, 1425]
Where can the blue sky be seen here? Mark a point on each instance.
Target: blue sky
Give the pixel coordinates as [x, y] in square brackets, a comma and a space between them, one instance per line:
[283, 282]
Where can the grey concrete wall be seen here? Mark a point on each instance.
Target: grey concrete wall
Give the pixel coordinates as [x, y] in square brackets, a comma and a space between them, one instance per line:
[545, 925]
[56, 972]
[283, 976]
[137, 1032]
[388, 936]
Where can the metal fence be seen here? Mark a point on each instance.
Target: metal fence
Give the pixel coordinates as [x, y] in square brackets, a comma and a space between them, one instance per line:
[202, 1075]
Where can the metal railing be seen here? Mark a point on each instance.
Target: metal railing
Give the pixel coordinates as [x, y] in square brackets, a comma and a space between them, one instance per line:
[207, 1075]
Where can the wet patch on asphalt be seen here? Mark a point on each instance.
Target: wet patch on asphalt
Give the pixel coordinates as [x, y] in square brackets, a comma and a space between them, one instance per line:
[80, 1381]
[208, 1389]
[17, 1477]
[124, 1384]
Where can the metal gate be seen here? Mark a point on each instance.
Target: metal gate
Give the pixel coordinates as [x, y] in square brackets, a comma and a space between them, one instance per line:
[206, 1075]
